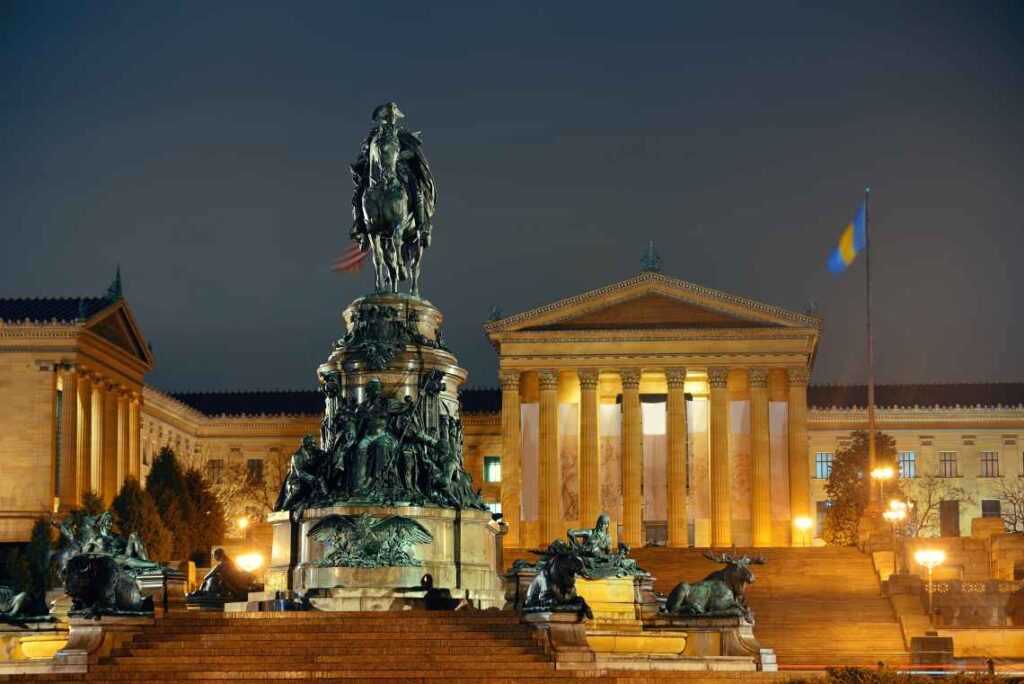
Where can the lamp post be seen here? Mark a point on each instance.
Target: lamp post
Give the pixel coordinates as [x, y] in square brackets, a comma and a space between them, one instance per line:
[894, 516]
[930, 558]
[881, 475]
[803, 523]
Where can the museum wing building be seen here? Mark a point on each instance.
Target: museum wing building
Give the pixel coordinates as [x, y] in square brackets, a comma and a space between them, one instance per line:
[683, 412]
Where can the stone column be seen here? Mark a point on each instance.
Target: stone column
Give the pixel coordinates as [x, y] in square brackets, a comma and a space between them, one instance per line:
[68, 484]
[590, 459]
[799, 478]
[551, 525]
[98, 438]
[721, 516]
[677, 439]
[83, 462]
[511, 458]
[134, 436]
[760, 459]
[123, 438]
[632, 459]
[111, 442]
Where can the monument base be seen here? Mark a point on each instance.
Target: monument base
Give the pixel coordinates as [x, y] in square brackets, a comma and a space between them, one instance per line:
[463, 557]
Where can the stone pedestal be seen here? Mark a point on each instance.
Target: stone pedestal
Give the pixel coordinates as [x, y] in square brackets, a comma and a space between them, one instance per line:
[463, 557]
[729, 638]
[89, 640]
[32, 641]
[167, 589]
[565, 637]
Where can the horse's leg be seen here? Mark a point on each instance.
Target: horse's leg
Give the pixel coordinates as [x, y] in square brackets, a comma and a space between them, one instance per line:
[392, 262]
[378, 262]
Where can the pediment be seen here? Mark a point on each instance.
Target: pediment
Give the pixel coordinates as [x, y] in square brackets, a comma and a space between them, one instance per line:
[116, 325]
[653, 301]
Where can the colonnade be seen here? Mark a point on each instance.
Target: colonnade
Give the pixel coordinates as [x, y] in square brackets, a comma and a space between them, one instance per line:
[100, 429]
[551, 524]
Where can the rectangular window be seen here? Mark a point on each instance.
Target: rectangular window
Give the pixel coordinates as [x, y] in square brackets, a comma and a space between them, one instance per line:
[990, 508]
[495, 508]
[947, 464]
[907, 463]
[492, 468]
[822, 465]
[990, 464]
[254, 470]
[215, 471]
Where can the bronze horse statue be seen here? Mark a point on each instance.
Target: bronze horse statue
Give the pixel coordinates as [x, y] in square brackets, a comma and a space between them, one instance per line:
[394, 201]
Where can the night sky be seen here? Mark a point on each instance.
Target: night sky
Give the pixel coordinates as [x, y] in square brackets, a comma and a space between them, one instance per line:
[205, 146]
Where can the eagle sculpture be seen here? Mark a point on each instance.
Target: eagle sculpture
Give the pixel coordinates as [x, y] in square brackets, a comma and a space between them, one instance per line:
[364, 541]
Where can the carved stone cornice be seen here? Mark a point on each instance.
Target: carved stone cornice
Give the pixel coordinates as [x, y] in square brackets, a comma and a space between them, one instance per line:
[758, 377]
[630, 378]
[718, 376]
[798, 377]
[548, 379]
[588, 378]
[509, 380]
[675, 378]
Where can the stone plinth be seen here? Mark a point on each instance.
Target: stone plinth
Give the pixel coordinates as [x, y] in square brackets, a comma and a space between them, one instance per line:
[89, 640]
[730, 638]
[565, 635]
[167, 590]
[463, 557]
[31, 641]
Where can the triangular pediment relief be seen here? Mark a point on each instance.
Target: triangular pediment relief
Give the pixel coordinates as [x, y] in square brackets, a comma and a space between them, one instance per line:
[653, 301]
[116, 325]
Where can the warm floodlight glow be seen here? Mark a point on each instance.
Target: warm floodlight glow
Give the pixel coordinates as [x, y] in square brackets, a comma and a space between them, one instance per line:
[898, 505]
[893, 516]
[250, 562]
[929, 558]
[882, 473]
[803, 523]
[243, 523]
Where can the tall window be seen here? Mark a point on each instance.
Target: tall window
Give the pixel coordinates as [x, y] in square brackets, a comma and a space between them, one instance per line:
[990, 508]
[947, 464]
[907, 463]
[215, 471]
[495, 508]
[990, 464]
[822, 465]
[492, 468]
[254, 470]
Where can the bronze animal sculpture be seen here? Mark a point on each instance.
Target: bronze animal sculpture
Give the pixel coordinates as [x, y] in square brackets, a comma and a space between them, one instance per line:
[11, 601]
[364, 541]
[721, 593]
[98, 585]
[553, 588]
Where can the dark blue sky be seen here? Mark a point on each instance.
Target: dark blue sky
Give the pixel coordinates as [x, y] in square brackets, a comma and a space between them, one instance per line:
[205, 147]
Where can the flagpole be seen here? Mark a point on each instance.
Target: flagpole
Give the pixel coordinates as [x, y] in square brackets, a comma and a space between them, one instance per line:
[874, 499]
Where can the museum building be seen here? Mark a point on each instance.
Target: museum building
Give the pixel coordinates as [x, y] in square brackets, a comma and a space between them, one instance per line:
[682, 411]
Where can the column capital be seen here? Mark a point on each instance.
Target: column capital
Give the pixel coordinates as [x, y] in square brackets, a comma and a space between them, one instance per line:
[588, 377]
[548, 379]
[509, 379]
[675, 377]
[758, 377]
[799, 376]
[630, 378]
[717, 377]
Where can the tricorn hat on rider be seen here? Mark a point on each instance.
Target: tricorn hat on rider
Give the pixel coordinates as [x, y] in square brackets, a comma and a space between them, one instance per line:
[388, 112]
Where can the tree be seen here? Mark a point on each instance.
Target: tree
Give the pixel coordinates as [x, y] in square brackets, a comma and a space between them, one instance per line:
[241, 495]
[39, 554]
[166, 484]
[848, 484]
[1011, 494]
[209, 512]
[135, 511]
[927, 492]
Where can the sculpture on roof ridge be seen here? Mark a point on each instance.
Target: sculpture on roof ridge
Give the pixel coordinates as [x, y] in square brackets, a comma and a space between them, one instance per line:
[394, 201]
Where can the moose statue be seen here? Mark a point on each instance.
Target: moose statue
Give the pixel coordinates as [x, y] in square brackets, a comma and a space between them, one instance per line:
[721, 594]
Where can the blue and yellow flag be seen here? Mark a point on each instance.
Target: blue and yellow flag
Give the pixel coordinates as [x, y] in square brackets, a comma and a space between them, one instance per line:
[851, 243]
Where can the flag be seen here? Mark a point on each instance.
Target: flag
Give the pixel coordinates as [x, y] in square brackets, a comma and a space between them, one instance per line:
[851, 242]
[351, 260]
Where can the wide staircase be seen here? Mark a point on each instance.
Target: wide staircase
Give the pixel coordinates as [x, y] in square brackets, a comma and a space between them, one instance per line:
[815, 606]
[465, 647]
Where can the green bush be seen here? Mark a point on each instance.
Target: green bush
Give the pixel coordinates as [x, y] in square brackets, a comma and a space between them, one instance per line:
[135, 511]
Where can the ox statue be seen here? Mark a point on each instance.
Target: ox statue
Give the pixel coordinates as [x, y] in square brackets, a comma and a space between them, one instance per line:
[722, 593]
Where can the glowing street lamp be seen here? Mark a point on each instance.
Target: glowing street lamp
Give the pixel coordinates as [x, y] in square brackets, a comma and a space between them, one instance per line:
[930, 558]
[243, 523]
[803, 523]
[250, 562]
[894, 516]
[881, 475]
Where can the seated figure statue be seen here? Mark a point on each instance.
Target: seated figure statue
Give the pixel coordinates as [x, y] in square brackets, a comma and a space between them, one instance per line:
[594, 547]
[304, 482]
[225, 580]
[129, 553]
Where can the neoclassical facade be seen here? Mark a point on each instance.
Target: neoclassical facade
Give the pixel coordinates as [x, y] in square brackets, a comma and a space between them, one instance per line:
[683, 412]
